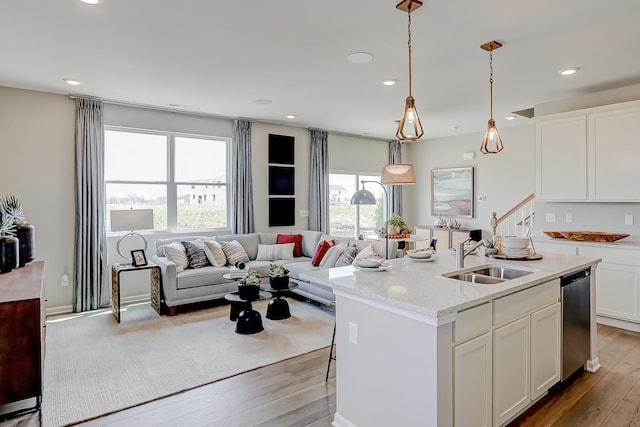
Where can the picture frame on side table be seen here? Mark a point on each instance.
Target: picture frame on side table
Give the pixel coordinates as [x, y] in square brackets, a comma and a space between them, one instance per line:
[138, 258]
[452, 192]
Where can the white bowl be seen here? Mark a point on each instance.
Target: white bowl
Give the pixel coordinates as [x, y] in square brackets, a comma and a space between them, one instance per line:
[515, 242]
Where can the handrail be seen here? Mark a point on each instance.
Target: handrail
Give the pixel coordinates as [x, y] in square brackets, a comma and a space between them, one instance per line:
[495, 221]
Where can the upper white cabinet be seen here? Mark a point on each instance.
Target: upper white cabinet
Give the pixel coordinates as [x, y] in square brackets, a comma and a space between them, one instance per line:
[561, 159]
[589, 155]
[614, 150]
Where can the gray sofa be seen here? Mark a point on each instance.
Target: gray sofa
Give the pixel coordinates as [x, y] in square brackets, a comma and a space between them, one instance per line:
[207, 283]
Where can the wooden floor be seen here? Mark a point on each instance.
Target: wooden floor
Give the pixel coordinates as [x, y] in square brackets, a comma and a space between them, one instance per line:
[294, 393]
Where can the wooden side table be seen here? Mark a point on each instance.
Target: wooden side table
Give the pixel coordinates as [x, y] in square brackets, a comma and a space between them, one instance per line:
[155, 284]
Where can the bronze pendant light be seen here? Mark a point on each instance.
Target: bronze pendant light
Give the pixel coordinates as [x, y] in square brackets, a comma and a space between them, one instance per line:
[491, 143]
[410, 128]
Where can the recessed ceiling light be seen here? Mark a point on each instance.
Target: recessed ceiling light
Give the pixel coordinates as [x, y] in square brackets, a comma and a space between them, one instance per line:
[72, 82]
[390, 82]
[360, 57]
[291, 116]
[510, 117]
[91, 1]
[263, 101]
[568, 71]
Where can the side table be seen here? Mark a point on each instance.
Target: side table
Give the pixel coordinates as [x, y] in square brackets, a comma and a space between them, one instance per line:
[278, 308]
[248, 320]
[155, 285]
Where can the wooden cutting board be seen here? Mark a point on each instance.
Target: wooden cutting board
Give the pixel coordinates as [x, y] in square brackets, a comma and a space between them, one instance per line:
[593, 236]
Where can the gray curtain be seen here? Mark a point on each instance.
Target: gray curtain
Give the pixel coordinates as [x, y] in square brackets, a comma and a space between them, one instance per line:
[319, 182]
[91, 287]
[241, 180]
[395, 191]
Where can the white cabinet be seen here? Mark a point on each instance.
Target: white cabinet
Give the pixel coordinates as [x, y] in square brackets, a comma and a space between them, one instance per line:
[511, 375]
[472, 382]
[614, 150]
[546, 336]
[561, 159]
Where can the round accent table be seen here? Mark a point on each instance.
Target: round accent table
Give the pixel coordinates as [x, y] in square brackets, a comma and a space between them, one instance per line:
[278, 308]
[248, 320]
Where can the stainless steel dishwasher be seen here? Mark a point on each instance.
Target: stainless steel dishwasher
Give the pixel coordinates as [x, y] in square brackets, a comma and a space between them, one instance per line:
[576, 321]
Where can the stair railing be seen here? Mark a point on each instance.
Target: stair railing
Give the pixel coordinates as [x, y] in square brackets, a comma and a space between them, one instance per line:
[520, 217]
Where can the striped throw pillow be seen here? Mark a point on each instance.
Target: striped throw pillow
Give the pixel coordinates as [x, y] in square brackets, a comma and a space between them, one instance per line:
[275, 252]
[234, 252]
[175, 252]
[215, 254]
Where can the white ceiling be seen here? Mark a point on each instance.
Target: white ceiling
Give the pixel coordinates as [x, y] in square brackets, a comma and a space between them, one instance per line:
[218, 57]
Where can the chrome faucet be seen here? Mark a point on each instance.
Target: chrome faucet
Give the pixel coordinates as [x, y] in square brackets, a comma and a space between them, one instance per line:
[461, 253]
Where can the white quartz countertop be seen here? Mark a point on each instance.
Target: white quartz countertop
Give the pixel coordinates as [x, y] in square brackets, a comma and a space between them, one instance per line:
[419, 287]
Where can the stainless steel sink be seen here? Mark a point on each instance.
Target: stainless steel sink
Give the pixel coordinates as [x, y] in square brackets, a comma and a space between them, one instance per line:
[501, 272]
[476, 278]
[487, 275]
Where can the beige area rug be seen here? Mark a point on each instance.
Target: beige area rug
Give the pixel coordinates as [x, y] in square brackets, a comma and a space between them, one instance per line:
[95, 366]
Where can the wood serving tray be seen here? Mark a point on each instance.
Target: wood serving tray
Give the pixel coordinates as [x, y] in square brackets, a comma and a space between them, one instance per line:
[555, 234]
[531, 257]
[593, 236]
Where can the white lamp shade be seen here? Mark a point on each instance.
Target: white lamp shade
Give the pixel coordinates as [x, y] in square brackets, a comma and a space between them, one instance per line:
[131, 219]
[398, 174]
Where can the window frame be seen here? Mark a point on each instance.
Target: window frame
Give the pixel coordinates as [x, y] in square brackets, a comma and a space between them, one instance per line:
[171, 184]
[358, 176]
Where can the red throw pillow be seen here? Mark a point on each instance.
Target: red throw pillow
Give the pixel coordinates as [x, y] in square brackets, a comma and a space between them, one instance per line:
[321, 250]
[291, 238]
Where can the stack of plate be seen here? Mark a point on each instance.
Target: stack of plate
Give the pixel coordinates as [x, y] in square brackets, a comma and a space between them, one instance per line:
[371, 264]
[421, 254]
[516, 247]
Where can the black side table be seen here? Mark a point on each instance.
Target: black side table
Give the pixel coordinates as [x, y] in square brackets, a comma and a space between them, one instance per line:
[248, 320]
[278, 308]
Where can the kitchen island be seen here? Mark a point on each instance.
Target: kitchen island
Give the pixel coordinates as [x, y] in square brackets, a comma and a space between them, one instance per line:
[415, 348]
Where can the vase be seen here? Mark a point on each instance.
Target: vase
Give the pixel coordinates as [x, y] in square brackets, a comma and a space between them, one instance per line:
[248, 292]
[26, 241]
[393, 230]
[279, 282]
[9, 248]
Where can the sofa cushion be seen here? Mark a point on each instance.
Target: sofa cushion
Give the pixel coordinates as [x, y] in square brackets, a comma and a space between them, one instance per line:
[310, 240]
[177, 254]
[275, 252]
[268, 238]
[332, 255]
[195, 254]
[214, 253]
[234, 252]
[346, 257]
[261, 267]
[248, 241]
[205, 276]
[295, 268]
[291, 238]
[321, 250]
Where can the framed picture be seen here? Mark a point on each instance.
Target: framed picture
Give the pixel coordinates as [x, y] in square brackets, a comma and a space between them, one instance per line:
[138, 259]
[452, 192]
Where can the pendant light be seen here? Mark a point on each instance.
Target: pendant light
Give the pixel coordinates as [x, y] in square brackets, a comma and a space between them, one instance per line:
[491, 143]
[410, 128]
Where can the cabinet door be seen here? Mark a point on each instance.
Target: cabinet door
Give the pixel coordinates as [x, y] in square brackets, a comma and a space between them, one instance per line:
[472, 382]
[613, 155]
[443, 239]
[422, 232]
[458, 236]
[561, 159]
[511, 369]
[618, 291]
[545, 349]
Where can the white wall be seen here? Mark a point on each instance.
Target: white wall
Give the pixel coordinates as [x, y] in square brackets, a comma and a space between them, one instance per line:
[504, 179]
[37, 144]
[357, 154]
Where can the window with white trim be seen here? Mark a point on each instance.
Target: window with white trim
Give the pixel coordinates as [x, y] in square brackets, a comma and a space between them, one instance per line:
[349, 220]
[183, 178]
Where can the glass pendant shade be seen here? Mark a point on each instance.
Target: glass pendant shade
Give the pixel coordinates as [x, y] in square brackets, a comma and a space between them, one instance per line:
[363, 197]
[410, 128]
[491, 143]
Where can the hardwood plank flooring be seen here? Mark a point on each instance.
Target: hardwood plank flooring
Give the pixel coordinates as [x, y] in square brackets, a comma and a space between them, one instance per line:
[293, 393]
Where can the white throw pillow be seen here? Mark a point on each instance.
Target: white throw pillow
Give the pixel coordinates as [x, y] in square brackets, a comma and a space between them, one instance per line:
[332, 255]
[214, 253]
[176, 253]
[275, 252]
[234, 252]
[368, 252]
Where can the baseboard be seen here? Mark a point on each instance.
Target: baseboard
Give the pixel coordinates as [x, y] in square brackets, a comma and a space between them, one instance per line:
[617, 323]
[66, 309]
[340, 421]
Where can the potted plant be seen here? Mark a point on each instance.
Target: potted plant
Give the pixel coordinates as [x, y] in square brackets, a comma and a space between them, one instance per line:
[278, 276]
[491, 248]
[396, 225]
[12, 207]
[8, 243]
[249, 286]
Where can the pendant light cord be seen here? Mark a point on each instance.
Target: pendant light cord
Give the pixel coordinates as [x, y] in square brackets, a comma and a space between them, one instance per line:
[409, 44]
[491, 83]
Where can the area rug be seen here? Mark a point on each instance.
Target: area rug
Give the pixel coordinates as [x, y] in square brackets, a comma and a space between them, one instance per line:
[95, 366]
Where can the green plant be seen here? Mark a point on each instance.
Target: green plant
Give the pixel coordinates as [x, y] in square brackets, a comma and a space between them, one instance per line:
[491, 244]
[251, 279]
[11, 207]
[397, 221]
[7, 225]
[278, 270]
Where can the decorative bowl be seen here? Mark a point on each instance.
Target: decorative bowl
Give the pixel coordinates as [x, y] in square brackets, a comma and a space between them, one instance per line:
[515, 242]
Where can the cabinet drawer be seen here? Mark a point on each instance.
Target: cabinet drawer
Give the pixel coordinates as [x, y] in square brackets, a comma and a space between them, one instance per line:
[472, 322]
[524, 302]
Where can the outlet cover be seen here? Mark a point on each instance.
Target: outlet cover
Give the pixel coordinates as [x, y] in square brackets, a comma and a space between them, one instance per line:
[550, 217]
[353, 333]
[568, 217]
[628, 220]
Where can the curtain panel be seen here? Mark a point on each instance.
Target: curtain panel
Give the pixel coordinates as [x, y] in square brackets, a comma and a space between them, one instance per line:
[241, 179]
[395, 191]
[319, 182]
[91, 286]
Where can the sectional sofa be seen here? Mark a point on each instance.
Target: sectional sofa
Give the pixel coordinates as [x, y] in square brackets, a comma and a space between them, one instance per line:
[194, 285]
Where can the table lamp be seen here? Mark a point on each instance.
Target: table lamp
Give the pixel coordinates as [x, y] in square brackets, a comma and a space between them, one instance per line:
[131, 220]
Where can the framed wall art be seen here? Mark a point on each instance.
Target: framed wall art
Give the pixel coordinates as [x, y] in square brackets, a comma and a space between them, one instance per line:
[452, 192]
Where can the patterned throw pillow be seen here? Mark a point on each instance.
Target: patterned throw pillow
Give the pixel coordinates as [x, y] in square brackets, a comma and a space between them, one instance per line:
[234, 252]
[275, 252]
[195, 253]
[214, 253]
[346, 257]
[175, 252]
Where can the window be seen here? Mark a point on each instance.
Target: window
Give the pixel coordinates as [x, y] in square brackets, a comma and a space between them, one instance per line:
[345, 218]
[169, 173]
